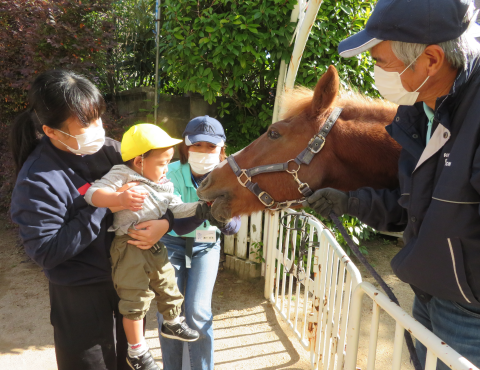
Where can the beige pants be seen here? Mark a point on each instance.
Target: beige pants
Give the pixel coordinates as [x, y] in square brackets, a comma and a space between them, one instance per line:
[140, 276]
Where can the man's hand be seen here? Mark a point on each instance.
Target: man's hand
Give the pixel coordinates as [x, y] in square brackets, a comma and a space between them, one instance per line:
[132, 199]
[324, 201]
[148, 233]
[203, 212]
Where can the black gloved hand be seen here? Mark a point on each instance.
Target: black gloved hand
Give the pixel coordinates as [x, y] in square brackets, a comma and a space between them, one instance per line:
[324, 201]
[203, 212]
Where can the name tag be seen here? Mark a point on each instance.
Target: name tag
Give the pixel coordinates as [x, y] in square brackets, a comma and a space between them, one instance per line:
[206, 236]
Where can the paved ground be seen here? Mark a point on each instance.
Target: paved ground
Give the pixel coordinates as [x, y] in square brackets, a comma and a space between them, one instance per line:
[249, 334]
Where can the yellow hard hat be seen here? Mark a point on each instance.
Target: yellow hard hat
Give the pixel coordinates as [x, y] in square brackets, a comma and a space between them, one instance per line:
[143, 137]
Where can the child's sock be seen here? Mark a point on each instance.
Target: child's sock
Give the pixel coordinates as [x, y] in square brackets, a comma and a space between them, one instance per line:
[174, 321]
[135, 350]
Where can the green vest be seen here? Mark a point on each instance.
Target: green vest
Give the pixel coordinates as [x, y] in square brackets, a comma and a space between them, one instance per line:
[181, 176]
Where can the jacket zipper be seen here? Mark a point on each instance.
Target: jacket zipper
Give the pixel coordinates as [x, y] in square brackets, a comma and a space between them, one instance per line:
[455, 270]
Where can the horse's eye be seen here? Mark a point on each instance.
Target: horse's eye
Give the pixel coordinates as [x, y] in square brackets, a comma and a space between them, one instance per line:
[272, 134]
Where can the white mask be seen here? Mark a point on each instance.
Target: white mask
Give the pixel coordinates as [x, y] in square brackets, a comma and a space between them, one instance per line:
[90, 142]
[203, 163]
[389, 84]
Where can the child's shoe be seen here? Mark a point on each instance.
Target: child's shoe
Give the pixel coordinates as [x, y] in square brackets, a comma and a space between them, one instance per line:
[142, 362]
[179, 331]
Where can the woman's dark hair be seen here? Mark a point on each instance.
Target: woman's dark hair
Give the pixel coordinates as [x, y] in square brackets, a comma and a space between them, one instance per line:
[183, 151]
[54, 97]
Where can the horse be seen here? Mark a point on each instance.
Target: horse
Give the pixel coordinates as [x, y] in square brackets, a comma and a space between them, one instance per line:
[357, 152]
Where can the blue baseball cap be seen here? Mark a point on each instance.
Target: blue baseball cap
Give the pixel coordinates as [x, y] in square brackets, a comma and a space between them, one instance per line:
[204, 128]
[414, 21]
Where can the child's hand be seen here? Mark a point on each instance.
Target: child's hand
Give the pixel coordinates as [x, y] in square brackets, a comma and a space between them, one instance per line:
[132, 199]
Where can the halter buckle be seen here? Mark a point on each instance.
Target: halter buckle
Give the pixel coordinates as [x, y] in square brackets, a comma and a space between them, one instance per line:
[312, 140]
[239, 178]
[264, 203]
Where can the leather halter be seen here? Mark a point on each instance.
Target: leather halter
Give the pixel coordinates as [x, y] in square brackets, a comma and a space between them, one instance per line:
[315, 144]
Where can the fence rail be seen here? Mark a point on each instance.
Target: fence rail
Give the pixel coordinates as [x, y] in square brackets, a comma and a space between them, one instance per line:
[320, 297]
[320, 288]
[436, 348]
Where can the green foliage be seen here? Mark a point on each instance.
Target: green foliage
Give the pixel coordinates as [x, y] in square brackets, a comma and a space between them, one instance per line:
[38, 35]
[337, 20]
[356, 229]
[257, 249]
[231, 49]
[133, 58]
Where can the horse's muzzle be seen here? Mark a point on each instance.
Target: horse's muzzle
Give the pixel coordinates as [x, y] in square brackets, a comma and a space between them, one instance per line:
[221, 209]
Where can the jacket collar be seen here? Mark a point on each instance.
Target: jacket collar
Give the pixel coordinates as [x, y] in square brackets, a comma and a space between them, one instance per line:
[403, 128]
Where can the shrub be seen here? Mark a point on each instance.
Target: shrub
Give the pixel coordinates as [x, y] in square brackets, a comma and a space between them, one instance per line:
[337, 20]
[38, 35]
[231, 49]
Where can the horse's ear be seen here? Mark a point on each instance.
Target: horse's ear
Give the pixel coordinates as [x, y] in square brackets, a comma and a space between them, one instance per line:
[325, 92]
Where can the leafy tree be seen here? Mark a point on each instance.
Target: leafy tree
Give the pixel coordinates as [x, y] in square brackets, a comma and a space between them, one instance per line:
[133, 57]
[38, 35]
[337, 20]
[231, 49]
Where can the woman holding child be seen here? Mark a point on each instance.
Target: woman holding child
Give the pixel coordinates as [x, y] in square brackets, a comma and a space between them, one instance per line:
[59, 148]
[195, 256]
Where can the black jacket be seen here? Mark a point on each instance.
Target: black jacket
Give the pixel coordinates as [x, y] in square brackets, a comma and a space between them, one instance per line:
[60, 231]
[437, 204]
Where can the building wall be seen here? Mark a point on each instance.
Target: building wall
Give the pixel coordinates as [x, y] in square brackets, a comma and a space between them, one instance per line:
[174, 112]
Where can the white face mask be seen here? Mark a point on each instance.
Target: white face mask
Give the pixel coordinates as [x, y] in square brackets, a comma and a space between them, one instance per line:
[203, 163]
[90, 142]
[389, 84]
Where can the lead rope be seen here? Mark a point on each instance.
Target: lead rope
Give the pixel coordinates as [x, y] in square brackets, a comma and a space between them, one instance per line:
[299, 223]
[381, 282]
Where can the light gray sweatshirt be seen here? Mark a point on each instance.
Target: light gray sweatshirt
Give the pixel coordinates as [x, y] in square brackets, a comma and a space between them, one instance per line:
[160, 197]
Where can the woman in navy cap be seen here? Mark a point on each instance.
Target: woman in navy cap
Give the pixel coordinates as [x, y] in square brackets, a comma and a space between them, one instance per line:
[196, 255]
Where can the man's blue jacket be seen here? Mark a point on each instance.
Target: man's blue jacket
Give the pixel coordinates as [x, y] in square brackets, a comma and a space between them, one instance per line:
[437, 203]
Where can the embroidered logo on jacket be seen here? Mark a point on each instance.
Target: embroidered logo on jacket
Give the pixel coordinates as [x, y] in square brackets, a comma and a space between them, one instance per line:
[447, 163]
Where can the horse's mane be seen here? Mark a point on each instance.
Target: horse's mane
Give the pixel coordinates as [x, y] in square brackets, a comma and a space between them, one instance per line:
[355, 105]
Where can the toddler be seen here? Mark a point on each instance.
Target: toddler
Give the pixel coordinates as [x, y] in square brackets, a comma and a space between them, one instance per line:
[140, 275]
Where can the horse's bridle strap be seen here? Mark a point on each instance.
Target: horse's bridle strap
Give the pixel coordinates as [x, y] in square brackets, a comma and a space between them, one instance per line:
[315, 144]
[318, 141]
[264, 197]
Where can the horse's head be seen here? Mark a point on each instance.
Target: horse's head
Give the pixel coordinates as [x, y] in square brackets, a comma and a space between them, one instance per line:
[283, 141]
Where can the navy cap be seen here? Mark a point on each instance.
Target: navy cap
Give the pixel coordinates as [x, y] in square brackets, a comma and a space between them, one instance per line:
[414, 21]
[204, 128]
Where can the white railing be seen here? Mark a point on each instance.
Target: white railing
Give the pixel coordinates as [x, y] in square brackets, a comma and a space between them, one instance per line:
[436, 348]
[322, 301]
[317, 308]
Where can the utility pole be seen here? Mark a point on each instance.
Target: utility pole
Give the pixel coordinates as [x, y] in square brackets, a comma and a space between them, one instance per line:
[157, 42]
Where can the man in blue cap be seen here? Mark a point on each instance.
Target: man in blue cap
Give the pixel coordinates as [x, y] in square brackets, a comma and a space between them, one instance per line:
[428, 62]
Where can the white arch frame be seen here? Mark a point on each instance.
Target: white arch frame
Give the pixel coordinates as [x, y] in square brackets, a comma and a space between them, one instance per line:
[305, 14]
